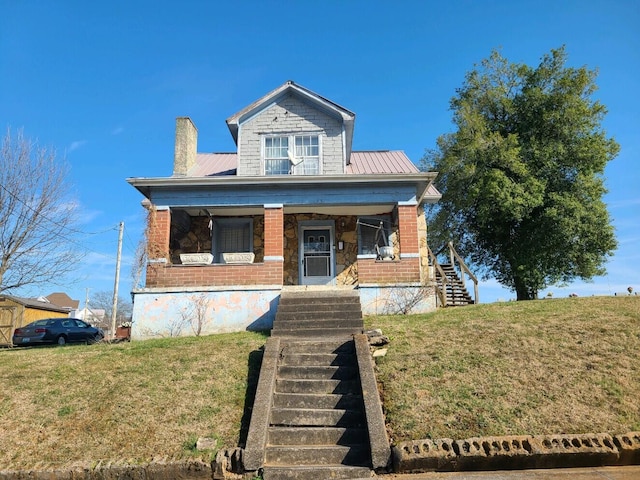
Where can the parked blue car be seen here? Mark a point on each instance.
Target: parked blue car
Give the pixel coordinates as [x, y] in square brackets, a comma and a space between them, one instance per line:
[58, 331]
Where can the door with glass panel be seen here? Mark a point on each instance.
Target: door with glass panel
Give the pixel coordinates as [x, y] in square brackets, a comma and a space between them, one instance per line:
[316, 255]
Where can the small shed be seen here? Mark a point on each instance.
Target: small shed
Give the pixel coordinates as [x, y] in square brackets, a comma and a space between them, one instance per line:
[16, 312]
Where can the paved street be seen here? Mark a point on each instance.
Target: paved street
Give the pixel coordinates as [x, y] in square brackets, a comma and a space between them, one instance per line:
[600, 473]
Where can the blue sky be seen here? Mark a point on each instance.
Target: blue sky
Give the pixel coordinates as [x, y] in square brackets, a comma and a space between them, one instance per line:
[102, 83]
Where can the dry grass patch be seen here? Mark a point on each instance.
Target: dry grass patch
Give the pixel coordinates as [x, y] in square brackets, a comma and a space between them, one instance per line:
[541, 367]
[128, 402]
[548, 366]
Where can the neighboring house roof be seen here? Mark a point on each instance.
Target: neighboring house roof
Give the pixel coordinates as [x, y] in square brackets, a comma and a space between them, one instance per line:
[63, 300]
[362, 163]
[33, 303]
[347, 117]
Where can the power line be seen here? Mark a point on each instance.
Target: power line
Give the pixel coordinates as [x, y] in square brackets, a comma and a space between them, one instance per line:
[67, 228]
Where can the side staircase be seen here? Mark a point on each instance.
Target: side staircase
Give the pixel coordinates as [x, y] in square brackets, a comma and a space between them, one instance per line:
[454, 289]
[451, 288]
[317, 412]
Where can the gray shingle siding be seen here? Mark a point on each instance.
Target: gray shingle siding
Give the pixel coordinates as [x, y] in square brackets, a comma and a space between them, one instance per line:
[290, 116]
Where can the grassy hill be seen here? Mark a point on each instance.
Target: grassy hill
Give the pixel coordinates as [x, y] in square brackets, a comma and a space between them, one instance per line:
[549, 366]
[545, 367]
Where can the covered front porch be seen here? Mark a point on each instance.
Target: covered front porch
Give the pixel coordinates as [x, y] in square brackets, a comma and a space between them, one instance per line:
[366, 235]
[281, 246]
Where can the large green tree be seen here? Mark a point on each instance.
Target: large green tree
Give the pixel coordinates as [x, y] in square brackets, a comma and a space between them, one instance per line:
[522, 177]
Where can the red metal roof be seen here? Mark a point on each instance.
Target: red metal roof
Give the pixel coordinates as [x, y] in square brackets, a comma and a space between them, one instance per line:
[385, 161]
[214, 164]
[362, 163]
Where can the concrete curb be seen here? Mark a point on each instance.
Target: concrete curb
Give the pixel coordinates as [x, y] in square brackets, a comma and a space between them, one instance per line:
[517, 452]
[420, 456]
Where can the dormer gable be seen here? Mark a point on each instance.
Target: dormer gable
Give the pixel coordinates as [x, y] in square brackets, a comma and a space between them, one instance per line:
[292, 130]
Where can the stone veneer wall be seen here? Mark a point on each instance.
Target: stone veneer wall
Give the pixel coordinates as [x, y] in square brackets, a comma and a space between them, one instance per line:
[346, 231]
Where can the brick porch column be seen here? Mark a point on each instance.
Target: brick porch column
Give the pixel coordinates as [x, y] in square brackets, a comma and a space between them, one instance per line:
[158, 230]
[408, 226]
[274, 242]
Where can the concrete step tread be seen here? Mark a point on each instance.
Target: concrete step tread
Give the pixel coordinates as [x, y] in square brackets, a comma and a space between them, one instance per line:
[315, 298]
[318, 386]
[290, 455]
[318, 322]
[317, 472]
[316, 417]
[324, 319]
[318, 306]
[316, 400]
[316, 332]
[314, 345]
[310, 359]
[346, 436]
[317, 372]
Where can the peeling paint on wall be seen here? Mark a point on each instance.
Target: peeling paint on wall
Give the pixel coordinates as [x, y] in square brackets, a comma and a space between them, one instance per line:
[172, 314]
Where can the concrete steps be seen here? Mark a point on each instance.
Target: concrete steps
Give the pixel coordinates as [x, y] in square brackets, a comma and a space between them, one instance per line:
[317, 413]
[317, 421]
[317, 314]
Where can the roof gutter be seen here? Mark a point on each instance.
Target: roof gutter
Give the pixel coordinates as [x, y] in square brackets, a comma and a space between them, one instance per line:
[422, 181]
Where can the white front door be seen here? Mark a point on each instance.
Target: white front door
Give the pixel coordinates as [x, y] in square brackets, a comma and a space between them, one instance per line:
[317, 263]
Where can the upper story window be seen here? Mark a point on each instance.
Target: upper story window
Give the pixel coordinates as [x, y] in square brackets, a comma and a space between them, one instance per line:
[276, 159]
[292, 155]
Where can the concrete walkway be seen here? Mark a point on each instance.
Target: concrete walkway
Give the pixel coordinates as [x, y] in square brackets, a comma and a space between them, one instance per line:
[599, 473]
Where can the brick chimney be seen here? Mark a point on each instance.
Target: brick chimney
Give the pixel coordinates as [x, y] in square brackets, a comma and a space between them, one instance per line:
[186, 146]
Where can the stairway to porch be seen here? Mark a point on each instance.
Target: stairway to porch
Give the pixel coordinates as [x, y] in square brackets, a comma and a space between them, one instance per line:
[317, 413]
[318, 312]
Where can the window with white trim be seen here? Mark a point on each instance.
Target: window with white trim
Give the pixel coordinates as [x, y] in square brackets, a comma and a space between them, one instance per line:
[276, 158]
[231, 235]
[292, 155]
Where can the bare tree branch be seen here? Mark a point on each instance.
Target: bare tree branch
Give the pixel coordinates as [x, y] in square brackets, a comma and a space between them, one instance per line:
[104, 301]
[36, 215]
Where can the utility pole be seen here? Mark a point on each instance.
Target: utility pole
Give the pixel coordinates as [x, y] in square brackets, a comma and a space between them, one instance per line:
[86, 304]
[117, 281]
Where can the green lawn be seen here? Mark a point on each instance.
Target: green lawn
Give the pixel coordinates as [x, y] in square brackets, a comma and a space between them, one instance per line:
[548, 366]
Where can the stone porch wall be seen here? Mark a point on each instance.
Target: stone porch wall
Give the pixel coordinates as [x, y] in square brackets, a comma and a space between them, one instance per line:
[346, 231]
